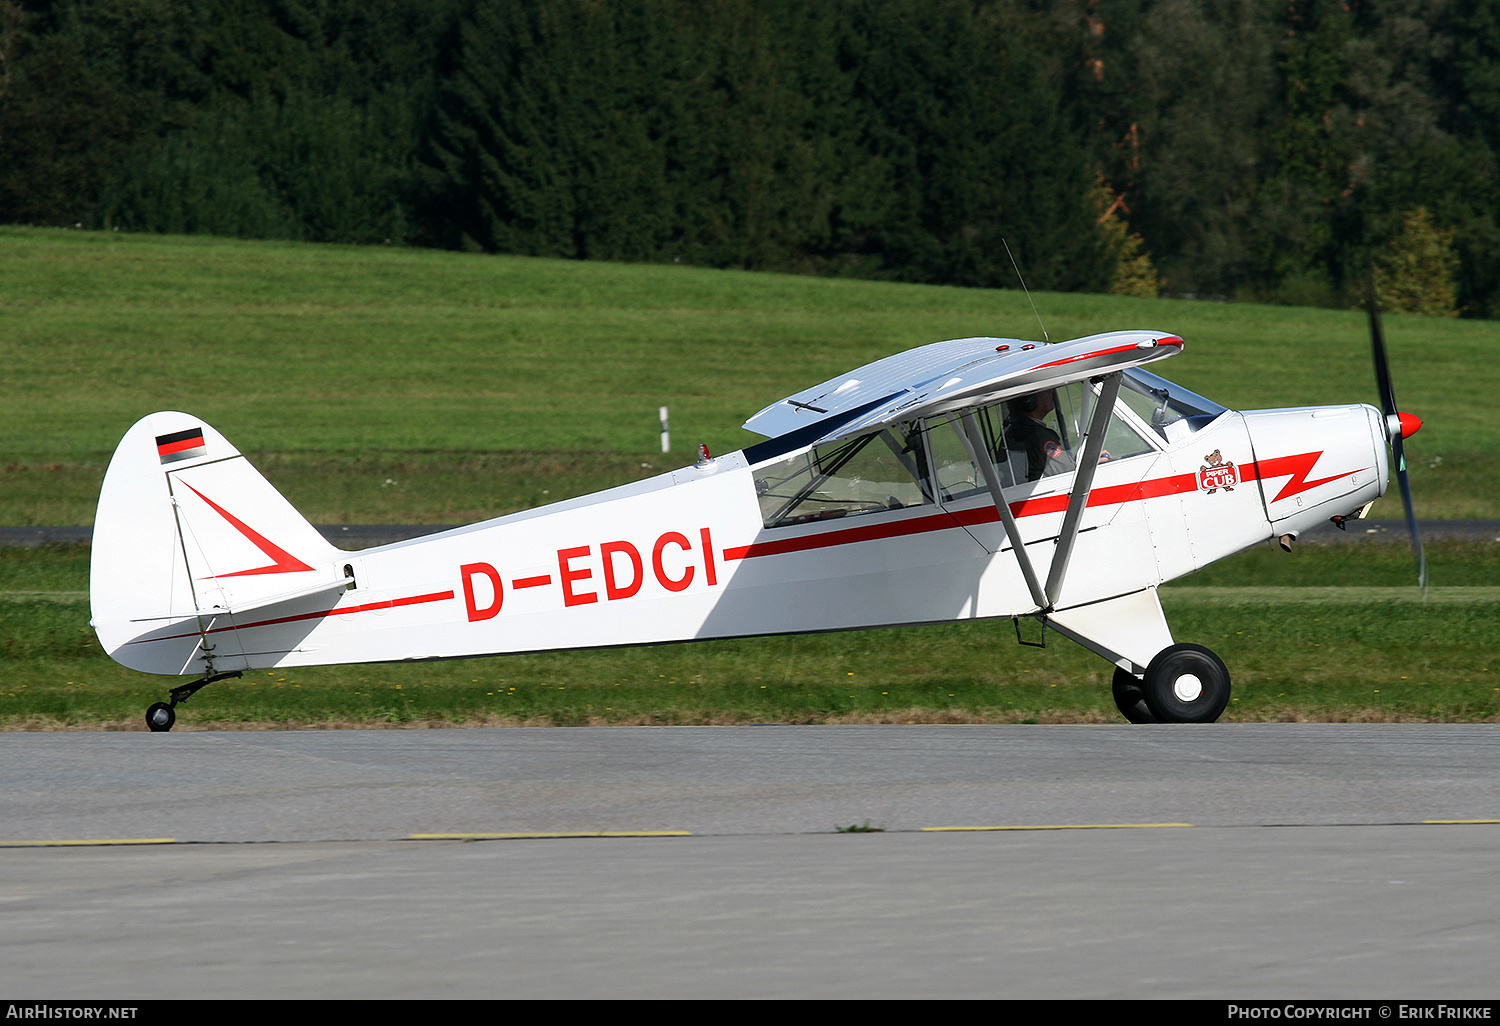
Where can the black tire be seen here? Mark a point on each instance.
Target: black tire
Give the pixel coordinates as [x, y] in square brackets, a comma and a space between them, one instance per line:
[160, 717]
[1186, 684]
[1130, 699]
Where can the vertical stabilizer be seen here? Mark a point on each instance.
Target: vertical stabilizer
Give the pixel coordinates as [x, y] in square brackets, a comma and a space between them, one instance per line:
[187, 534]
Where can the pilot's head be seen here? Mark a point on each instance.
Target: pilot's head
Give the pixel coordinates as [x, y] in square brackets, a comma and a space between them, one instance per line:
[1036, 405]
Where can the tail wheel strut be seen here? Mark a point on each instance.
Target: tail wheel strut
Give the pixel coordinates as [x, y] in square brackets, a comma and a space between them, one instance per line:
[161, 715]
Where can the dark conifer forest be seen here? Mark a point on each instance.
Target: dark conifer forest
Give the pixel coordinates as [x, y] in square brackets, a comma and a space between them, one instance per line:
[1274, 150]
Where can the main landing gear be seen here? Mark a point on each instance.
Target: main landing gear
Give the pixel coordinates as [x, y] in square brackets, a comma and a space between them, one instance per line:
[161, 716]
[1183, 684]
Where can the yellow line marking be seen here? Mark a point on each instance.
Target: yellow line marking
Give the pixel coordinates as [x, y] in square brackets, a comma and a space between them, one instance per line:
[98, 840]
[578, 833]
[1438, 822]
[1063, 826]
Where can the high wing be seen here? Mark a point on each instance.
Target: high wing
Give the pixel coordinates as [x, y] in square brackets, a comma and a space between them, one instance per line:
[947, 376]
[960, 375]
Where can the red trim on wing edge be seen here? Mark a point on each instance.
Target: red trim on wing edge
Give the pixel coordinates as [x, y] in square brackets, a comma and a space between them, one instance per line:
[1166, 340]
[1087, 356]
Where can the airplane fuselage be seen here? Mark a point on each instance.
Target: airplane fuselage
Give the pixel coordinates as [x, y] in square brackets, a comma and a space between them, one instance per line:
[688, 555]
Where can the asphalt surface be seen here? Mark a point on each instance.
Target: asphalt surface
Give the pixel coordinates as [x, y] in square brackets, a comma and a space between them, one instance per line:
[1232, 861]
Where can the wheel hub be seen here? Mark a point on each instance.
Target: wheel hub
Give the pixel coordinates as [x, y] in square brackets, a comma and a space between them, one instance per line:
[1187, 688]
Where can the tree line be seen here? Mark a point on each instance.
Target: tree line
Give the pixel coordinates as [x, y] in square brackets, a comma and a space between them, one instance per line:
[1279, 150]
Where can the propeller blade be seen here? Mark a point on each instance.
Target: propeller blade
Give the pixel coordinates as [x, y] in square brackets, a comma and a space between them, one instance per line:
[1382, 365]
[1398, 450]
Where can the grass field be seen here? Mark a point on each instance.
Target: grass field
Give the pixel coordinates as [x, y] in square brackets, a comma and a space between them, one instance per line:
[1301, 639]
[1328, 633]
[378, 385]
[386, 386]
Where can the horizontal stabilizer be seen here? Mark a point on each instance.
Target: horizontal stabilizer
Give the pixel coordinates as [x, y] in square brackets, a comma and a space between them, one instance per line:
[274, 600]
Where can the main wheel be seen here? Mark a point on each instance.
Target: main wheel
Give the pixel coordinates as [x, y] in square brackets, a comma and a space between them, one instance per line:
[1186, 684]
[160, 717]
[1130, 699]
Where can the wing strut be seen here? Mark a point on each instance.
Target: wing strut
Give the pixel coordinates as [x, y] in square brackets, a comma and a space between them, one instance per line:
[1046, 598]
[980, 454]
[1083, 481]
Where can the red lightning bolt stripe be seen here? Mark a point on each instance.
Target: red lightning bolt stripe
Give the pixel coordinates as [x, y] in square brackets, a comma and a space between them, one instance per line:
[283, 562]
[1298, 467]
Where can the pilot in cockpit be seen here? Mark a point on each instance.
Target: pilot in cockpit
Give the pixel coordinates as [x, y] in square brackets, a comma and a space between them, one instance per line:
[1027, 431]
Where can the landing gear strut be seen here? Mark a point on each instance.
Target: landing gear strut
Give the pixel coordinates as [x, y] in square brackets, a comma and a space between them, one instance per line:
[1129, 698]
[161, 716]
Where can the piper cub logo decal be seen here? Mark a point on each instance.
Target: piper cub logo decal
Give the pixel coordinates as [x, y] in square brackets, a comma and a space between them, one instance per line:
[1217, 474]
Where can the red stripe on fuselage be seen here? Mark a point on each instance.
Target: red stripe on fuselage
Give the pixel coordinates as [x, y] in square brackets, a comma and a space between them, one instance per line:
[413, 600]
[866, 532]
[1112, 495]
[1138, 491]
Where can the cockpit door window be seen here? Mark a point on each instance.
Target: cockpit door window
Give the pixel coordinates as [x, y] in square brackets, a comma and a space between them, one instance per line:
[882, 471]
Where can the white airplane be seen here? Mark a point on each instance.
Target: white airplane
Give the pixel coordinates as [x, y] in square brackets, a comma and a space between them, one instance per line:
[977, 478]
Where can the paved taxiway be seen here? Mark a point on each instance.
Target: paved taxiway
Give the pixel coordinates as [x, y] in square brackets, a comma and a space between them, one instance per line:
[1310, 867]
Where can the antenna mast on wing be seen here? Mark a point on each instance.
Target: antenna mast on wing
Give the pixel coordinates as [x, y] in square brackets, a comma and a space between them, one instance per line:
[1025, 290]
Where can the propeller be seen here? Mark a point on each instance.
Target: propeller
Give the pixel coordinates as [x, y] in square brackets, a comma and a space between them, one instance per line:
[1398, 426]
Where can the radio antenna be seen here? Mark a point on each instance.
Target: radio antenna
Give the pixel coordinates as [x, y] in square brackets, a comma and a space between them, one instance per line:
[1025, 289]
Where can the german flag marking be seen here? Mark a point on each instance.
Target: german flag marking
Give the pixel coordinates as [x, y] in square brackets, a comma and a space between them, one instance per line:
[181, 445]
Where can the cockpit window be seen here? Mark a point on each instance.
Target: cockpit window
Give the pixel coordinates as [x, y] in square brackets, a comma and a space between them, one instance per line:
[1027, 438]
[863, 475]
[1171, 410]
[1044, 431]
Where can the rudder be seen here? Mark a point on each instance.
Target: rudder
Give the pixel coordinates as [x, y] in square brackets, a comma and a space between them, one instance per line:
[187, 535]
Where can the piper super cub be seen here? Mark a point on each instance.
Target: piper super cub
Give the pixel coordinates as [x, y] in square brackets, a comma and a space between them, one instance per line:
[970, 479]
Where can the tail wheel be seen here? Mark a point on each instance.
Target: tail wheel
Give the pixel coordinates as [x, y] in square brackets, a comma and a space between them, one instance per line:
[1130, 699]
[1186, 684]
[160, 717]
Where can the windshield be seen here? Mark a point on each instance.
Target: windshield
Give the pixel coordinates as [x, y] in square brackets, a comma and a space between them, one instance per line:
[1171, 410]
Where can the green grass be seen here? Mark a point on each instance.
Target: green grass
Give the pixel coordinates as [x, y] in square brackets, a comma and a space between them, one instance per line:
[1356, 658]
[390, 385]
[385, 385]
